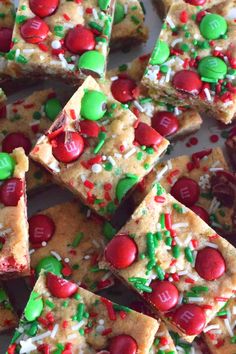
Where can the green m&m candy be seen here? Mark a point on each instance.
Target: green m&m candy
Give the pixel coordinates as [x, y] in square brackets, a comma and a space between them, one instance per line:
[52, 108]
[212, 69]
[119, 13]
[34, 307]
[104, 4]
[160, 53]
[213, 26]
[7, 165]
[93, 105]
[92, 62]
[49, 264]
[124, 185]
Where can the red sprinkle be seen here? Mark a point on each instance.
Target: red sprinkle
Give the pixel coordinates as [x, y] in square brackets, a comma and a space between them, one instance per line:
[214, 138]
[110, 310]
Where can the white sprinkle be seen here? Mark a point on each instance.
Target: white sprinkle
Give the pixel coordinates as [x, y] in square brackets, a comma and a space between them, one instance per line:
[228, 327]
[178, 241]
[17, 53]
[183, 272]
[44, 244]
[87, 257]
[100, 329]
[207, 93]
[188, 239]
[161, 173]
[41, 336]
[138, 105]
[106, 276]
[114, 78]
[72, 336]
[211, 244]
[176, 41]
[192, 276]
[180, 299]
[95, 13]
[96, 244]
[96, 168]
[31, 251]
[111, 160]
[164, 348]
[169, 164]
[55, 330]
[130, 153]
[5, 232]
[180, 225]
[101, 322]
[218, 48]
[170, 22]
[77, 326]
[56, 255]
[28, 51]
[56, 44]
[27, 346]
[117, 155]
[214, 169]
[191, 300]
[168, 75]
[83, 178]
[234, 310]
[66, 260]
[177, 111]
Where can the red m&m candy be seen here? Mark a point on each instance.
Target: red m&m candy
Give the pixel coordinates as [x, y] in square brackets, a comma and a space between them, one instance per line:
[123, 344]
[89, 128]
[15, 140]
[122, 89]
[41, 228]
[43, 8]
[146, 135]
[5, 39]
[165, 123]
[190, 318]
[210, 264]
[196, 2]
[121, 251]
[60, 287]
[34, 30]
[164, 295]
[187, 81]
[79, 40]
[11, 191]
[201, 212]
[67, 146]
[186, 191]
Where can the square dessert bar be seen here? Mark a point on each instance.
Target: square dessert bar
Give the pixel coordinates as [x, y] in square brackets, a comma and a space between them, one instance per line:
[14, 252]
[175, 261]
[67, 39]
[98, 149]
[128, 26]
[61, 317]
[21, 124]
[8, 317]
[220, 334]
[170, 121]
[66, 241]
[193, 62]
[200, 181]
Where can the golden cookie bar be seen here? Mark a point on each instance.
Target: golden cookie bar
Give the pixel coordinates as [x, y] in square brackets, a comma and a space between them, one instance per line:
[193, 62]
[201, 181]
[14, 253]
[67, 39]
[97, 149]
[72, 319]
[8, 318]
[175, 261]
[220, 335]
[170, 121]
[21, 124]
[128, 26]
[66, 241]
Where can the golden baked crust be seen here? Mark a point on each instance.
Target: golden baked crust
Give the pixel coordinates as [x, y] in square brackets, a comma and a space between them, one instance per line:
[14, 253]
[78, 240]
[102, 321]
[190, 234]
[123, 163]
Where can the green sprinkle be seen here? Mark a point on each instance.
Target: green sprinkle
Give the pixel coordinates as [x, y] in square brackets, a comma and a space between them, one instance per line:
[200, 289]
[160, 272]
[49, 304]
[162, 221]
[117, 307]
[80, 312]
[95, 25]
[233, 340]
[150, 245]
[20, 19]
[77, 239]
[188, 254]
[160, 189]
[139, 155]
[137, 280]
[144, 288]
[176, 251]
[135, 19]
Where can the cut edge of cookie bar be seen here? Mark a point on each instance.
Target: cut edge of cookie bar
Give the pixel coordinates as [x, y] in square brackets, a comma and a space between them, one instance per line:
[40, 52]
[189, 120]
[122, 124]
[74, 247]
[14, 256]
[130, 28]
[8, 317]
[141, 255]
[200, 89]
[93, 323]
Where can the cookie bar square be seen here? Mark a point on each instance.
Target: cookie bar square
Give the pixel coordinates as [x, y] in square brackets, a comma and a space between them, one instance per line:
[170, 121]
[128, 26]
[193, 62]
[98, 149]
[68, 242]
[201, 181]
[14, 252]
[22, 122]
[67, 39]
[220, 334]
[70, 318]
[8, 317]
[175, 261]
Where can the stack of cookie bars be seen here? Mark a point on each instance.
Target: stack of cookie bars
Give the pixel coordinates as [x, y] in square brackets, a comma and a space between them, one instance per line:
[156, 235]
